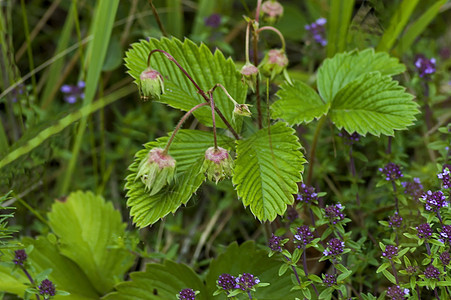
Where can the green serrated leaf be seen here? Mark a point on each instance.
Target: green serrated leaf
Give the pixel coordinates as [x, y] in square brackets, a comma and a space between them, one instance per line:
[86, 225]
[206, 68]
[298, 103]
[336, 72]
[267, 168]
[159, 281]
[188, 149]
[373, 104]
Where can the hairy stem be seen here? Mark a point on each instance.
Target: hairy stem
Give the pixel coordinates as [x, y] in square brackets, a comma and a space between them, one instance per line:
[396, 198]
[257, 81]
[247, 42]
[30, 279]
[304, 264]
[395, 273]
[213, 120]
[294, 269]
[282, 39]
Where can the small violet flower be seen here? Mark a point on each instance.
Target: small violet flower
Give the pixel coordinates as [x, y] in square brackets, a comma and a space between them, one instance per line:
[330, 280]
[187, 294]
[307, 194]
[226, 281]
[425, 67]
[413, 188]
[391, 171]
[390, 252]
[432, 272]
[246, 282]
[395, 220]
[349, 139]
[334, 213]
[335, 247]
[275, 243]
[292, 214]
[446, 234]
[434, 200]
[20, 257]
[424, 231]
[46, 288]
[303, 236]
[446, 178]
[213, 21]
[445, 258]
[318, 31]
[397, 293]
[73, 92]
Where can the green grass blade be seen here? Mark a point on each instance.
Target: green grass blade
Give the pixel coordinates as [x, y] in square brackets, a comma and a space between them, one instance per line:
[419, 26]
[65, 122]
[174, 24]
[397, 24]
[101, 28]
[337, 25]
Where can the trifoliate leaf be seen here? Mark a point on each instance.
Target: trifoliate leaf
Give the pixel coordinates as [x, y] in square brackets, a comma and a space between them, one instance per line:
[267, 168]
[188, 149]
[298, 103]
[206, 68]
[336, 72]
[373, 104]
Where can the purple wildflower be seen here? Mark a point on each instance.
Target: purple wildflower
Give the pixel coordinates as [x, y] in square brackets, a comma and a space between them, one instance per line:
[413, 188]
[432, 272]
[411, 270]
[334, 213]
[226, 281]
[46, 288]
[391, 171]
[73, 92]
[330, 280]
[349, 139]
[246, 281]
[335, 247]
[20, 257]
[445, 177]
[17, 91]
[445, 258]
[446, 233]
[292, 214]
[424, 231]
[187, 294]
[213, 21]
[307, 194]
[390, 252]
[318, 31]
[397, 293]
[425, 67]
[304, 235]
[275, 243]
[434, 200]
[395, 220]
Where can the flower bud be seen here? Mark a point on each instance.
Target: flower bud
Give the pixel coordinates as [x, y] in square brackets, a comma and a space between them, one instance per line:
[271, 11]
[249, 72]
[274, 62]
[151, 84]
[242, 110]
[156, 170]
[217, 164]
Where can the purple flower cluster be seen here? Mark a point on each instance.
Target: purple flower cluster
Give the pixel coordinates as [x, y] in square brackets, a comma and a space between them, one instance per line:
[446, 234]
[330, 280]
[397, 293]
[349, 139]
[434, 200]
[187, 294]
[304, 235]
[227, 281]
[425, 67]
[275, 243]
[390, 252]
[446, 178]
[411, 270]
[318, 31]
[413, 188]
[334, 213]
[47, 288]
[432, 272]
[424, 231]
[395, 220]
[292, 214]
[335, 247]
[307, 194]
[391, 171]
[246, 282]
[445, 258]
[73, 92]
[213, 21]
[20, 256]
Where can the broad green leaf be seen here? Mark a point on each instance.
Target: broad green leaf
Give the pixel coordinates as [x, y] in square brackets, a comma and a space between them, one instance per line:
[188, 149]
[87, 226]
[267, 167]
[235, 261]
[397, 23]
[205, 68]
[336, 72]
[298, 103]
[337, 25]
[373, 104]
[159, 281]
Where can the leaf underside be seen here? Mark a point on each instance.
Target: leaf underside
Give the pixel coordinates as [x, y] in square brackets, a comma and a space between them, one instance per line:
[267, 168]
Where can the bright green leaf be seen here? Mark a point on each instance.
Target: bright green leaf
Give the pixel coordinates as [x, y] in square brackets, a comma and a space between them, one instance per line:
[86, 226]
[267, 168]
[373, 104]
[298, 103]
